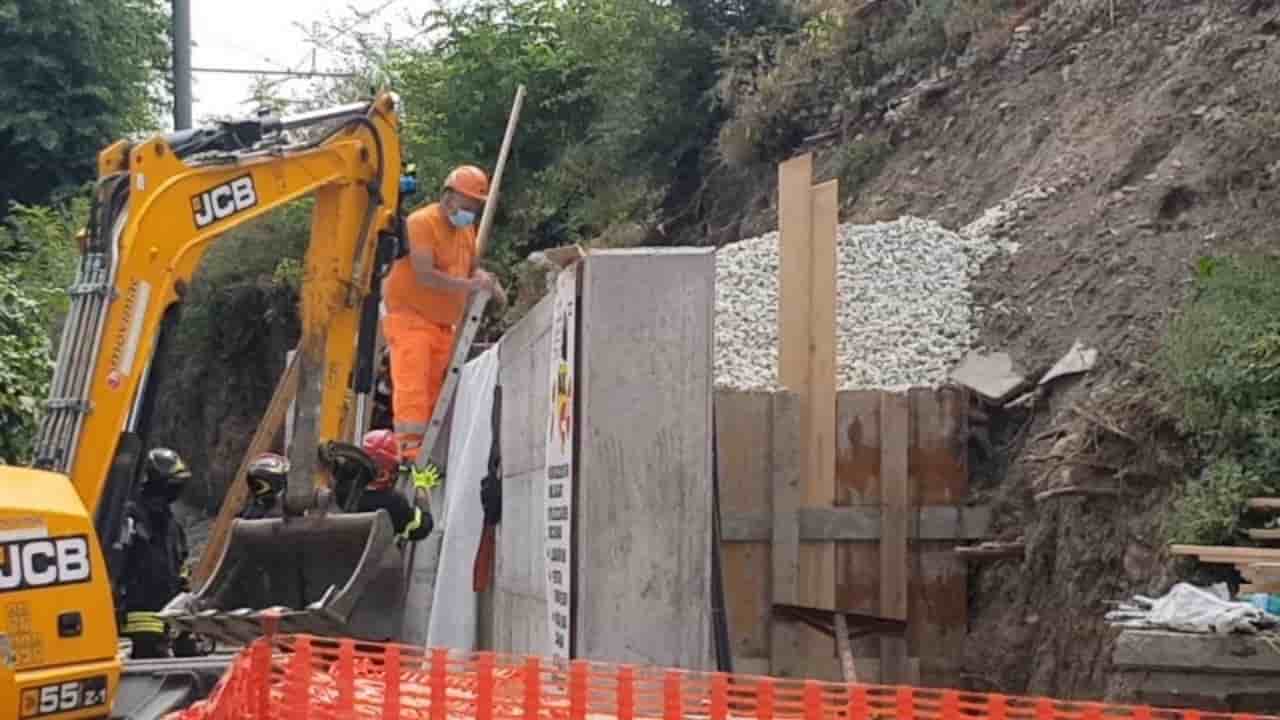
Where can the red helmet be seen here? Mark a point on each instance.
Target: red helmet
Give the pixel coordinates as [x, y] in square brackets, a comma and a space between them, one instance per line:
[381, 447]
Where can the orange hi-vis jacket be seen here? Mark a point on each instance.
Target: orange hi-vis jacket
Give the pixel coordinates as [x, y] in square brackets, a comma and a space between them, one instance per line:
[454, 251]
[419, 321]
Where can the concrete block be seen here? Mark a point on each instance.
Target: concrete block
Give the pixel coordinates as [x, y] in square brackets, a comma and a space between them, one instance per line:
[643, 506]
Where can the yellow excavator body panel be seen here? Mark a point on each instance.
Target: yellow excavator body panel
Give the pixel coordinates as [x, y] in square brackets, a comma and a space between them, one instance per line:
[59, 650]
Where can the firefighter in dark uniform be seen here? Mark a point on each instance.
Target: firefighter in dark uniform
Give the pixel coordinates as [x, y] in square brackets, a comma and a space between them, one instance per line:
[155, 552]
[268, 475]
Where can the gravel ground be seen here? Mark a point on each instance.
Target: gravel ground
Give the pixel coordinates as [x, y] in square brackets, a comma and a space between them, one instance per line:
[904, 312]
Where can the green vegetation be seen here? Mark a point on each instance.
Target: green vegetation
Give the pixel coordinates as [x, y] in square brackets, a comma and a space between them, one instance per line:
[74, 76]
[1222, 363]
[39, 254]
[24, 369]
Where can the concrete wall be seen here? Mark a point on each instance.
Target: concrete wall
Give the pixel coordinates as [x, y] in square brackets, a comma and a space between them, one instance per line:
[643, 505]
[642, 523]
[518, 607]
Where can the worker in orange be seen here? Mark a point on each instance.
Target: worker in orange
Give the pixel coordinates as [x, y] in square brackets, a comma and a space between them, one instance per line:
[424, 297]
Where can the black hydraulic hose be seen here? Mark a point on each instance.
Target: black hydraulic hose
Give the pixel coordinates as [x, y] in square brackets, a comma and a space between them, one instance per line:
[719, 617]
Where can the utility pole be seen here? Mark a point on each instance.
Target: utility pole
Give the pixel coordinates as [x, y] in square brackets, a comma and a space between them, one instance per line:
[181, 64]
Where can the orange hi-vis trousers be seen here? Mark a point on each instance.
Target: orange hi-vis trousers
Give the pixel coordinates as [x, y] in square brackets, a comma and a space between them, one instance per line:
[419, 359]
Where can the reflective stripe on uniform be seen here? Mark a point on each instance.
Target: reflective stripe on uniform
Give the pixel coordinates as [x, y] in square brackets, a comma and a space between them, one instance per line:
[411, 428]
[413, 524]
[142, 622]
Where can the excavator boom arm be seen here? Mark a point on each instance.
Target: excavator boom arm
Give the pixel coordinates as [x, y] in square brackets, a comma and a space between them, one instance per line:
[156, 216]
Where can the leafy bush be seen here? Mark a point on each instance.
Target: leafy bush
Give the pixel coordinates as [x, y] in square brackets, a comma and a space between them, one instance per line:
[74, 76]
[1222, 357]
[25, 368]
[1221, 362]
[1208, 510]
[38, 250]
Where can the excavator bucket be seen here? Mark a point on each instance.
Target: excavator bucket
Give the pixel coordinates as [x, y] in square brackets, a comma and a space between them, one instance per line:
[336, 574]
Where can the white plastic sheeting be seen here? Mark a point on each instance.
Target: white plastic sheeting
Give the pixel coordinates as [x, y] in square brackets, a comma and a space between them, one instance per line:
[453, 621]
[1190, 609]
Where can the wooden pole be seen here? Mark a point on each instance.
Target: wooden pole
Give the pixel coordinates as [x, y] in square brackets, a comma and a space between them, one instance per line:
[238, 491]
[490, 207]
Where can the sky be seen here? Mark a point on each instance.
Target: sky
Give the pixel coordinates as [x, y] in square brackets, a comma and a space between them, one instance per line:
[263, 34]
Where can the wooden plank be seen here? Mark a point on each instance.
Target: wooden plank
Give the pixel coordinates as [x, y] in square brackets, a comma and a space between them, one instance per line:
[937, 523]
[939, 452]
[858, 485]
[1265, 587]
[938, 474]
[858, 448]
[1264, 503]
[818, 559]
[238, 491]
[644, 483]
[1264, 535]
[784, 636]
[795, 223]
[1226, 554]
[743, 454]
[894, 441]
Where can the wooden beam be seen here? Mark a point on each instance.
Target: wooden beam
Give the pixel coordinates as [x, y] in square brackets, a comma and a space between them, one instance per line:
[795, 230]
[862, 523]
[784, 637]
[807, 220]
[238, 491]
[1264, 503]
[895, 412]
[1264, 535]
[1225, 554]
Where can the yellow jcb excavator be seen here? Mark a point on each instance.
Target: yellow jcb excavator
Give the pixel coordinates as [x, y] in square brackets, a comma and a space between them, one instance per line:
[158, 207]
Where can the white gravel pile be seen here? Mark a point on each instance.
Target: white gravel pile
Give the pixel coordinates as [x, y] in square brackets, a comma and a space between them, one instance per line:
[903, 309]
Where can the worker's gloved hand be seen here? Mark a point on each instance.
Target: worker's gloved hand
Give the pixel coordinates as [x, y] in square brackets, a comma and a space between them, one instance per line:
[491, 499]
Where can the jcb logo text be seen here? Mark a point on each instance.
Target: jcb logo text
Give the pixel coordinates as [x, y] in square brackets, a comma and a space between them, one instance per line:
[223, 201]
[44, 562]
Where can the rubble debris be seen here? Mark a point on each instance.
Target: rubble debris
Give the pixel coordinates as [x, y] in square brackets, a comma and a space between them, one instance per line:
[904, 311]
[991, 376]
[1078, 359]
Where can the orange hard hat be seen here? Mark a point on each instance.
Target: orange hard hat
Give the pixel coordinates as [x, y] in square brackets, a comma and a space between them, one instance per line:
[470, 181]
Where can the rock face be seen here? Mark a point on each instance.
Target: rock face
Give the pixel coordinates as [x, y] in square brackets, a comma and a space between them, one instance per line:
[903, 309]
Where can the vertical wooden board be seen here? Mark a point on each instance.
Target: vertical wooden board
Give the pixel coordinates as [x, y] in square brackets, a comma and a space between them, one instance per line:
[818, 559]
[821, 490]
[795, 223]
[744, 455]
[895, 414]
[858, 447]
[939, 446]
[858, 587]
[644, 482]
[743, 450]
[746, 591]
[938, 609]
[858, 483]
[785, 656]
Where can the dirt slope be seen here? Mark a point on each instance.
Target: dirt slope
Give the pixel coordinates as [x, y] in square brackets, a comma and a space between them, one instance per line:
[1152, 139]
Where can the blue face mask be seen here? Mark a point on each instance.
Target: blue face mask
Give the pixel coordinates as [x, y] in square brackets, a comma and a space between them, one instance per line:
[462, 218]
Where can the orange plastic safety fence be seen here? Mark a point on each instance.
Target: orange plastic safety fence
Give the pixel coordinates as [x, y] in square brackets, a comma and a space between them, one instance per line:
[311, 678]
